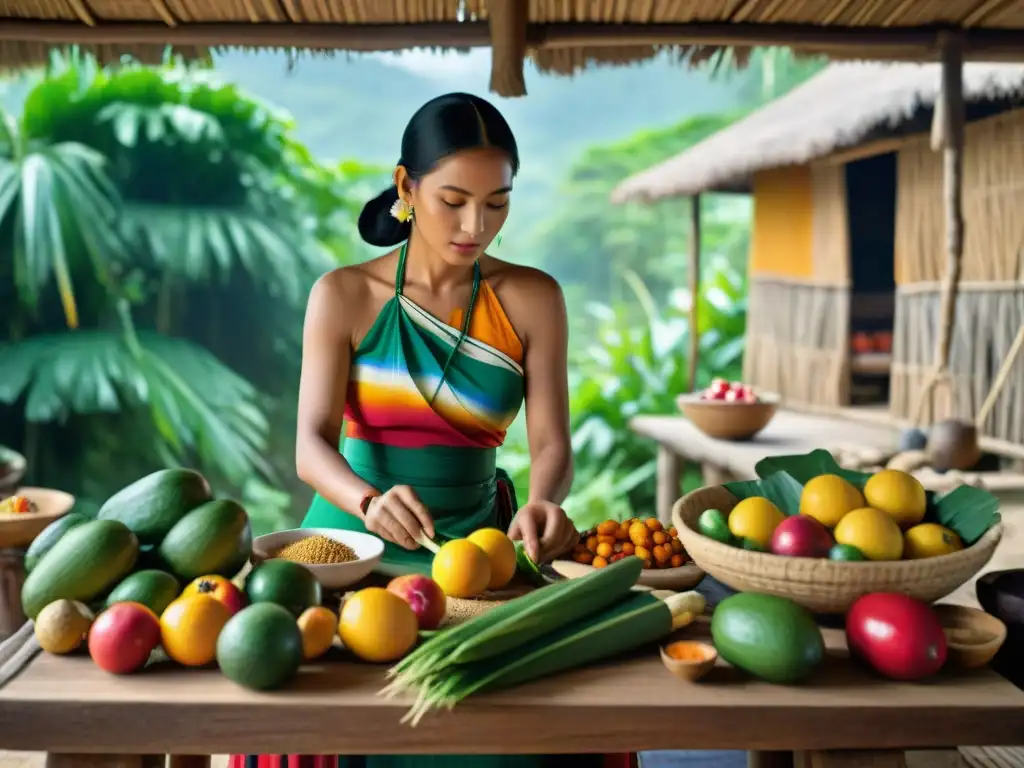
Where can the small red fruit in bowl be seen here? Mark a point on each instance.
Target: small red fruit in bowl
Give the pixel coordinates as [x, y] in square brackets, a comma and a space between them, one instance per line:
[122, 638]
[801, 536]
[424, 596]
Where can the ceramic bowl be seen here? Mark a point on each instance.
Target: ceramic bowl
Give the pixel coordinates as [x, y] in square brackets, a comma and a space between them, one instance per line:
[723, 420]
[972, 636]
[1001, 593]
[18, 530]
[369, 549]
[689, 669]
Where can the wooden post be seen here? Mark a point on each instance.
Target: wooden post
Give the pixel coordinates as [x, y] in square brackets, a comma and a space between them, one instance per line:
[669, 478]
[948, 135]
[12, 576]
[508, 21]
[694, 288]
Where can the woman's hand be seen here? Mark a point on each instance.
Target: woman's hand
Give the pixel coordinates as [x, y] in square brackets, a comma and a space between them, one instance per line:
[400, 517]
[545, 530]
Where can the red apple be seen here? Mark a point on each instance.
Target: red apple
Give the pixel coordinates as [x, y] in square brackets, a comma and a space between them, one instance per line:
[737, 385]
[801, 536]
[424, 596]
[123, 636]
[732, 396]
[899, 636]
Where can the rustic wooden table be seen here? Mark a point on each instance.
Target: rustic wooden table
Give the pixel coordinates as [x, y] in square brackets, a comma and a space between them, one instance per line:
[679, 441]
[84, 717]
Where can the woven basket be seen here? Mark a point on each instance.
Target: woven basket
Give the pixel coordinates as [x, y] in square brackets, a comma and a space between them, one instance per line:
[823, 586]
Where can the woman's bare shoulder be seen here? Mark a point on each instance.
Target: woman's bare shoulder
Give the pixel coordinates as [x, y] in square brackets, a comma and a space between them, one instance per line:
[519, 280]
[356, 282]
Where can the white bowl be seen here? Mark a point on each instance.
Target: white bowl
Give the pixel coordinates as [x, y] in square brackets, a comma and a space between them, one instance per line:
[367, 547]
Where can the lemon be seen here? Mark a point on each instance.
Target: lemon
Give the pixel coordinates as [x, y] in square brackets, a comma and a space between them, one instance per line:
[377, 625]
[871, 531]
[930, 540]
[461, 568]
[827, 498]
[756, 519]
[500, 551]
[899, 494]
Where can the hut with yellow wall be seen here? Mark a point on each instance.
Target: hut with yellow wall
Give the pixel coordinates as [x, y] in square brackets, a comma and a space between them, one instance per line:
[847, 248]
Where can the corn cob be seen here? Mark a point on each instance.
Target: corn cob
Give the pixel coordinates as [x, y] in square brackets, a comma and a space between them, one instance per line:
[522, 619]
[634, 620]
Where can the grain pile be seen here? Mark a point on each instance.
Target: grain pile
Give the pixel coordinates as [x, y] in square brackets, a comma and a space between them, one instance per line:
[317, 550]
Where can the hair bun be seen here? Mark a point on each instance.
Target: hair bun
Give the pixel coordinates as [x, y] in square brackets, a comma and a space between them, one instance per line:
[376, 224]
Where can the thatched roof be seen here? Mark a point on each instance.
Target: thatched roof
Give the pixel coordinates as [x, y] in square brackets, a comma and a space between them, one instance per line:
[839, 108]
[561, 35]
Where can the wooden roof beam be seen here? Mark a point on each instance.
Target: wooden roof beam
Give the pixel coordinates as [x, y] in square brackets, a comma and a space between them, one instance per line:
[903, 43]
[508, 23]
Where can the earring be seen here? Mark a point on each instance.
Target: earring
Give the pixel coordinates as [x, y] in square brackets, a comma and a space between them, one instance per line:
[497, 240]
[401, 210]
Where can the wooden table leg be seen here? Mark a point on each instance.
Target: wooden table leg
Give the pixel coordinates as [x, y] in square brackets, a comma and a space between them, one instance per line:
[770, 760]
[60, 760]
[670, 483]
[713, 475]
[190, 761]
[881, 758]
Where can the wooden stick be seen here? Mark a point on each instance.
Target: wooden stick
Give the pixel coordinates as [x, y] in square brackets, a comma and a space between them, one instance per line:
[1001, 378]
[905, 43]
[950, 136]
[694, 289]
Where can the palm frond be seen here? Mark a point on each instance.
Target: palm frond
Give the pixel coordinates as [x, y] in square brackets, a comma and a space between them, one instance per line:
[63, 203]
[205, 242]
[196, 403]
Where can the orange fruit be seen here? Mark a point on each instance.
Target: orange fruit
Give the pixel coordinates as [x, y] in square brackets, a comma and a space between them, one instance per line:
[461, 568]
[500, 551]
[190, 626]
[318, 626]
[378, 625]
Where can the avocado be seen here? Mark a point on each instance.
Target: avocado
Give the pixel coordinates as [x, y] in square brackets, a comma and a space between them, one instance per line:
[768, 636]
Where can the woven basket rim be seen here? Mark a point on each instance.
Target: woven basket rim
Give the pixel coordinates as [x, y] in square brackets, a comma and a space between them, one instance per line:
[990, 538]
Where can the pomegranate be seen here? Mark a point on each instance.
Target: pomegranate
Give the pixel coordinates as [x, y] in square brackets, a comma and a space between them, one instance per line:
[122, 637]
[801, 536]
[897, 635]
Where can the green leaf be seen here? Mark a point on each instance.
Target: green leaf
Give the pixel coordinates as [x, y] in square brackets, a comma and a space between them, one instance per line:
[780, 488]
[968, 511]
[802, 467]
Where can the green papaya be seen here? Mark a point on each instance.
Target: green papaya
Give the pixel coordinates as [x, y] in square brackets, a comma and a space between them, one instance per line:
[49, 536]
[152, 505]
[86, 562]
[214, 539]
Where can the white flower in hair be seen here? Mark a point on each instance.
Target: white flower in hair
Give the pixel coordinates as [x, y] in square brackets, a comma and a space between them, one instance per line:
[401, 210]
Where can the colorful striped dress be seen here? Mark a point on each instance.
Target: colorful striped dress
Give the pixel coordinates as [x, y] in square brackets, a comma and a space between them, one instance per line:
[428, 404]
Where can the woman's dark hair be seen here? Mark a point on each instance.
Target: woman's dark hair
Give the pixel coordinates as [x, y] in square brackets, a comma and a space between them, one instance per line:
[441, 127]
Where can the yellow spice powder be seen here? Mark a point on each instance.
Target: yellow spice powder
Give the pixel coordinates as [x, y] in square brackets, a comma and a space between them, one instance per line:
[318, 550]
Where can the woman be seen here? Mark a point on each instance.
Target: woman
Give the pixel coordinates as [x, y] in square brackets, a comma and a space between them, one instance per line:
[427, 353]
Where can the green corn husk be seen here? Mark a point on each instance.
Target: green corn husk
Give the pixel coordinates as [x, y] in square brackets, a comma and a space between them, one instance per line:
[523, 619]
[635, 621]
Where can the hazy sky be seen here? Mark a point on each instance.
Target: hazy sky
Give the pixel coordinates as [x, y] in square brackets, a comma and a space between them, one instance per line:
[439, 65]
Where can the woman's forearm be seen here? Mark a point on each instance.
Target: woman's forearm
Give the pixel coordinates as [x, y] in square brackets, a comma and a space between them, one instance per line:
[321, 467]
[551, 473]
